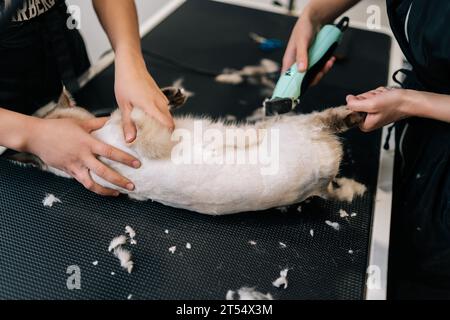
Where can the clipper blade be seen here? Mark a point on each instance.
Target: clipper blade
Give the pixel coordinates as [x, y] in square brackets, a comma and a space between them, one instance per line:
[278, 106]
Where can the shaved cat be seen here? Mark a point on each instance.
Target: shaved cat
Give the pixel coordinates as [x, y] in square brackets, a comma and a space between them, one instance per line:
[276, 161]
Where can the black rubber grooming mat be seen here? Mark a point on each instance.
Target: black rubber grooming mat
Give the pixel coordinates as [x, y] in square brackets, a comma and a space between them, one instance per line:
[38, 244]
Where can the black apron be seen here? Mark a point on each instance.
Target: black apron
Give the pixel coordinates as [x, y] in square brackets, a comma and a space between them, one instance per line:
[419, 259]
[37, 57]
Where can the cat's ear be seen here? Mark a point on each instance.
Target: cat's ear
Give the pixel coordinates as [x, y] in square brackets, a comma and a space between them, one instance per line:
[176, 96]
[65, 100]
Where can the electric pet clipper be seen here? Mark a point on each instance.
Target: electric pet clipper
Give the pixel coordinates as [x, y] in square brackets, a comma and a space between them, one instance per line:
[293, 84]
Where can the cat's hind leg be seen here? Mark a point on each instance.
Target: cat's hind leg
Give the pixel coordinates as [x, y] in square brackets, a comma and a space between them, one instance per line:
[339, 119]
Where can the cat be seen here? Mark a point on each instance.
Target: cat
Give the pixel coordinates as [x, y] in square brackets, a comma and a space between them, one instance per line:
[215, 167]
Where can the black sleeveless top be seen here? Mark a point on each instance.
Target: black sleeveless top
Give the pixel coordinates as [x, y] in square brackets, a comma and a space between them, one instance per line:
[28, 10]
[38, 54]
[419, 260]
[422, 30]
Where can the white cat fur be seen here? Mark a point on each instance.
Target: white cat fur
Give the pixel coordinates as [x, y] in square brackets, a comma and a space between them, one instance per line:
[308, 161]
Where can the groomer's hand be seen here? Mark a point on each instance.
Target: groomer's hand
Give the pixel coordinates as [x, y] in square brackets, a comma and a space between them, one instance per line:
[383, 106]
[135, 88]
[66, 144]
[301, 39]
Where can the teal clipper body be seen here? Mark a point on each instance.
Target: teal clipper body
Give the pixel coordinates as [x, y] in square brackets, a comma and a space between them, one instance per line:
[293, 83]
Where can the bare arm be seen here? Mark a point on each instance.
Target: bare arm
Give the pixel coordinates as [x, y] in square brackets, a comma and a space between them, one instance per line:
[134, 86]
[428, 105]
[384, 106]
[325, 11]
[13, 129]
[120, 21]
[66, 144]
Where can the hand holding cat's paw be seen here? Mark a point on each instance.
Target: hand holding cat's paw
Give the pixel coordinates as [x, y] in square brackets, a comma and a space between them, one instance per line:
[383, 106]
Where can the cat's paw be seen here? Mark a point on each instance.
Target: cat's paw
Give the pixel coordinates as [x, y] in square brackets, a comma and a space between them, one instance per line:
[354, 119]
[344, 189]
[340, 119]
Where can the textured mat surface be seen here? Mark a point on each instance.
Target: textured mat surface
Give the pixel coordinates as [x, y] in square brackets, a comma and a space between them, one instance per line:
[39, 244]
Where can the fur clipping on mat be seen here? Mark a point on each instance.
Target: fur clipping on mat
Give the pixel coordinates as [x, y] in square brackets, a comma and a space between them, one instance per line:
[246, 293]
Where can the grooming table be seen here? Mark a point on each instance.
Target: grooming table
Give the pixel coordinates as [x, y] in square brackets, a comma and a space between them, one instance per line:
[39, 244]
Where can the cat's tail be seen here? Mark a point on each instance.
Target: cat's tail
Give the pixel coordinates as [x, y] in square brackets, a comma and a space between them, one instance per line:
[339, 119]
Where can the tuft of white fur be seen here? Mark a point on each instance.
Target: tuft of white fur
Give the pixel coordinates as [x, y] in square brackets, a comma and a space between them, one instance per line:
[343, 213]
[230, 295]
[237, 76]
[131, 233]
[270, 66]
[282, 281]
[121, 253]
[50, 200]
[230, 78]
[311, 232]
[265, 67]
[172, 249]
[124, 257]
[282, 245]
[246, 293]
[188, 246]
[335, 225]
[116, 242]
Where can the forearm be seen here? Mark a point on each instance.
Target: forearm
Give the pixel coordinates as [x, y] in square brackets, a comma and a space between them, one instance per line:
[427, 105]
[15, 129]
[120, 21]
[326, 11]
